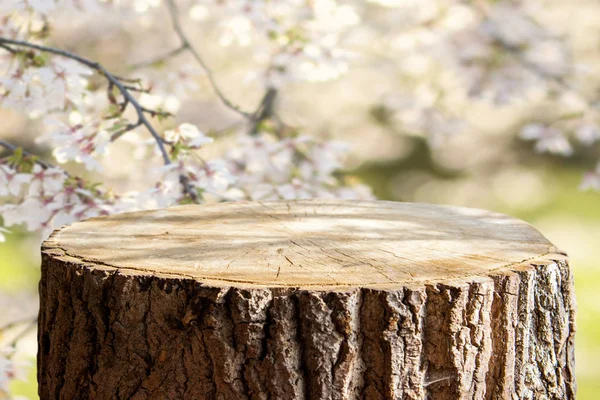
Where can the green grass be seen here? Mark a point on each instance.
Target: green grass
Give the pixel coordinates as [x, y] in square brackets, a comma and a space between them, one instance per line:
[18, 270]
[27, 389]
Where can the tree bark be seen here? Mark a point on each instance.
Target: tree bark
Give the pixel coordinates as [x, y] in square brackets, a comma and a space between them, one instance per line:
[309, 299]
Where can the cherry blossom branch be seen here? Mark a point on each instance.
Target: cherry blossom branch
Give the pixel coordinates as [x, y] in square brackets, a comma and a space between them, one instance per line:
[137, 89]
[186, 45]
[129, 98]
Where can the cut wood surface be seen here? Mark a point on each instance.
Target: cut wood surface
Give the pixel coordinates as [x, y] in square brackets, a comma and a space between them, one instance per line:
[315, 299]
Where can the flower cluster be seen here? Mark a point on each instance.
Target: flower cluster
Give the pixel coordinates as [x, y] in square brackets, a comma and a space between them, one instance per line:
[304, 37]
[42, 198]
[296, 167]
[258, 167]
[453, 56]
[36, 85]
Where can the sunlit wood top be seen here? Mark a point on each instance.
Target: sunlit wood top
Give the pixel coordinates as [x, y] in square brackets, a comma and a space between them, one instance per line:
[305, 243]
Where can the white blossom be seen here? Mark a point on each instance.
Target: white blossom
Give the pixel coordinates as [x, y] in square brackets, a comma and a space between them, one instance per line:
[548, 139]
[189, 135]
[11, 181]
[214, 177]
[79, 142]
[49, 87]
[46, 182]
[296, 189]
[591, 180]
[588, 133]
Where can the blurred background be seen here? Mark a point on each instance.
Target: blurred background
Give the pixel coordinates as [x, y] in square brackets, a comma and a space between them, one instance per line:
[466, 150]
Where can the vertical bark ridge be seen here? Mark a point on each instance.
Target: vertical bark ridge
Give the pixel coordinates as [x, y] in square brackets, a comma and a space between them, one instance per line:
[323, 343]
[545, 333]
[440, 372]
[501, 370]
[250, 312]
[284, 350]
[372, 324]
[402, 343]
[345, 319]
[411, 331]
[458, 342]
[479, 341]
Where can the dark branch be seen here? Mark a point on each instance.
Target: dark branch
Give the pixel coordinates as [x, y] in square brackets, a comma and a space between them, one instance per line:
[128, 80]
[186, 45]
[188, 188]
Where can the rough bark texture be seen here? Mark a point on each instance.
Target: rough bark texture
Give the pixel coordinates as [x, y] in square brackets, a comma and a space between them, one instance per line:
[110, 333]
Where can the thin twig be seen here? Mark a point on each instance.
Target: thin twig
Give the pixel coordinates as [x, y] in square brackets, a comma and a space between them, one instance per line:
[136, 89]
[22, 334]
[158, 60]
[32, 324]
[186, 45]
[18, 322]
[128, 80]
[13, 148]
[154, 113]
[10, 50]
[124, 130]
[265, 108]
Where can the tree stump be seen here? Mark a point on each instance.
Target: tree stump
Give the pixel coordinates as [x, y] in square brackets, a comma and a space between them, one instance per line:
[311, 299]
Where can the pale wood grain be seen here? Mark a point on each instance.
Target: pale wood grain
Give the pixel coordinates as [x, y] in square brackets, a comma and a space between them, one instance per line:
[307, 243]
